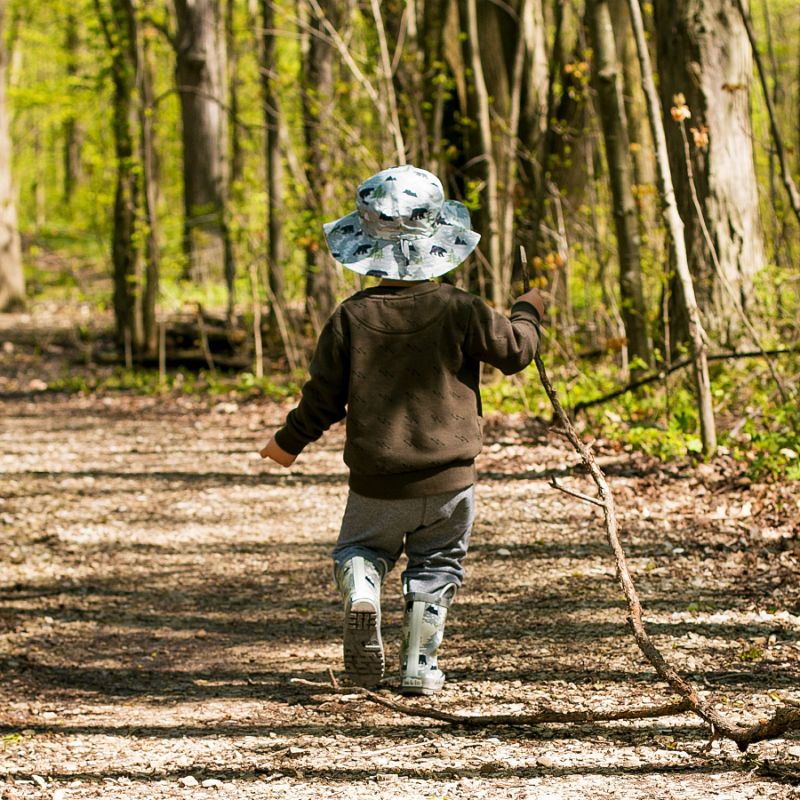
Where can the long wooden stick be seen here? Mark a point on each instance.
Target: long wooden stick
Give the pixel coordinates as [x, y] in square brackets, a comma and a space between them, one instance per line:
[784, 719]
[540, 717]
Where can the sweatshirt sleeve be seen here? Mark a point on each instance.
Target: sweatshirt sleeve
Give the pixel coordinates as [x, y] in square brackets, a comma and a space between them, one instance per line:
[324, 396]
[506, 343]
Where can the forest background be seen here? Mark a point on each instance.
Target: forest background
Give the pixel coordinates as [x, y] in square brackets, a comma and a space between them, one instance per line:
[165, 169]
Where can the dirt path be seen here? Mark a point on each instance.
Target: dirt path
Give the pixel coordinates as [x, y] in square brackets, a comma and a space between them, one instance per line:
[161, 587]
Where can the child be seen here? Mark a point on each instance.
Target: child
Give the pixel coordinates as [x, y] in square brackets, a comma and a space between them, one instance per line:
[401, 361]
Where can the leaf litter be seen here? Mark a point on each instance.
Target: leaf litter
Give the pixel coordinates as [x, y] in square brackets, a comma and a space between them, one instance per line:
[162, 587]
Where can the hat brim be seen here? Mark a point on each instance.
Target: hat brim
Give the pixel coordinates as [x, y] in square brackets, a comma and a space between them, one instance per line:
[412, 260]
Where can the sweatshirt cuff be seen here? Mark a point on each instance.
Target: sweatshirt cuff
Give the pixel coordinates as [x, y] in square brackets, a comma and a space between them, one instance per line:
[289, 441]
[522, 309]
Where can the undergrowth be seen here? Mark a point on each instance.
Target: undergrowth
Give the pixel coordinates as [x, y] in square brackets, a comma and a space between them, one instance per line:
[754, 425]
[205, 383]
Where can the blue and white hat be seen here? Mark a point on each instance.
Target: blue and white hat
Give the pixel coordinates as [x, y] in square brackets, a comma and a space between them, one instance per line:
[403, 228]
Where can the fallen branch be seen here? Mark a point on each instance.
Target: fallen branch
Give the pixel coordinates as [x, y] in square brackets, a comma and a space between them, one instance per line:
[657, 376]
[784, 719]
[540, 717]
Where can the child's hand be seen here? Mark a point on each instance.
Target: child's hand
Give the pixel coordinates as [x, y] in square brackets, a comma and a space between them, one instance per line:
[277, 454]
[536, 299]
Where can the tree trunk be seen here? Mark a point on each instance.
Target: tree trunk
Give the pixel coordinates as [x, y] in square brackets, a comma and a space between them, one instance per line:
[318, 121]
[490, 207]
[552, 163]
[12, 282]
[697, 336]
[644, 165]
[401, 18]
[121, 39]
[237, 156]
[618, 157]
[72, 128]
[201, 79]
[272, 119]
[146, 109]
[533, 120]
[704, 54]
[645, 189]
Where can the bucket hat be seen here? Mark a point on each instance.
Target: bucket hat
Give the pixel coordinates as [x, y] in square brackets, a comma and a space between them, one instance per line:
[403, 228]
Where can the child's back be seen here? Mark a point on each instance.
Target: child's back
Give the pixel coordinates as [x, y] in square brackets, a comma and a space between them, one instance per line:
[403, 364]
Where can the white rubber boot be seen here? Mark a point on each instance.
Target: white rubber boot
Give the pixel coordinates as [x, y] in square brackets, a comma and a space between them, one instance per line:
[423, 631]
[359, 580]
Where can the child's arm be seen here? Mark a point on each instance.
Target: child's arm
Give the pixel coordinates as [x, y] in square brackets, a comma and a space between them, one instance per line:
[323, 401]
[508, 344]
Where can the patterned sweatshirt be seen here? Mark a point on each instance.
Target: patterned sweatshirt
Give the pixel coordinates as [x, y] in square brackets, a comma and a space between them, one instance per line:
[402, 363]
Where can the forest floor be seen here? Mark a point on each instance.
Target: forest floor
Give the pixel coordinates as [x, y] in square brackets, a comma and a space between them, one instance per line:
[161, 588]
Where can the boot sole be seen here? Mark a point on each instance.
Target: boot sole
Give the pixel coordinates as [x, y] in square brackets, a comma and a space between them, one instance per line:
[363, 648]
[418, 686]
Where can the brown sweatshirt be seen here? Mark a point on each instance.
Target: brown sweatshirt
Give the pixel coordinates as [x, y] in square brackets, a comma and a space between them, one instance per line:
[402, 363]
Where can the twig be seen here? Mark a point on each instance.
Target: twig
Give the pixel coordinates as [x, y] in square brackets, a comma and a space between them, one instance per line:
[542, 716]
[333, 680]
[585, 497]
[400, 148]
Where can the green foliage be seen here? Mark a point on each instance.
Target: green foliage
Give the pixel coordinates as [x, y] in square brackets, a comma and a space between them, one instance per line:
[750, 655]
[770, 440]
[204, 383]
[755, 430]
[701, 606]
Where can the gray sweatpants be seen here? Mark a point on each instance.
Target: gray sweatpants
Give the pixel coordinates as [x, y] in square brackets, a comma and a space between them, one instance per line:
[434, 531]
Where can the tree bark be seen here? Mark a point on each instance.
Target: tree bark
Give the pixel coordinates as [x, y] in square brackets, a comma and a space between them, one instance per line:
[608, 85]
[121, 39]
[232, 66]
[200, 73]
[319, 127]
[72, 129]
[413, 92]
[12, 282]
[272, 119]
[644, 165]
[553, 162]
[697, 336]
[704, 54]
[491, 249]
[533, 118]
[146, 110]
